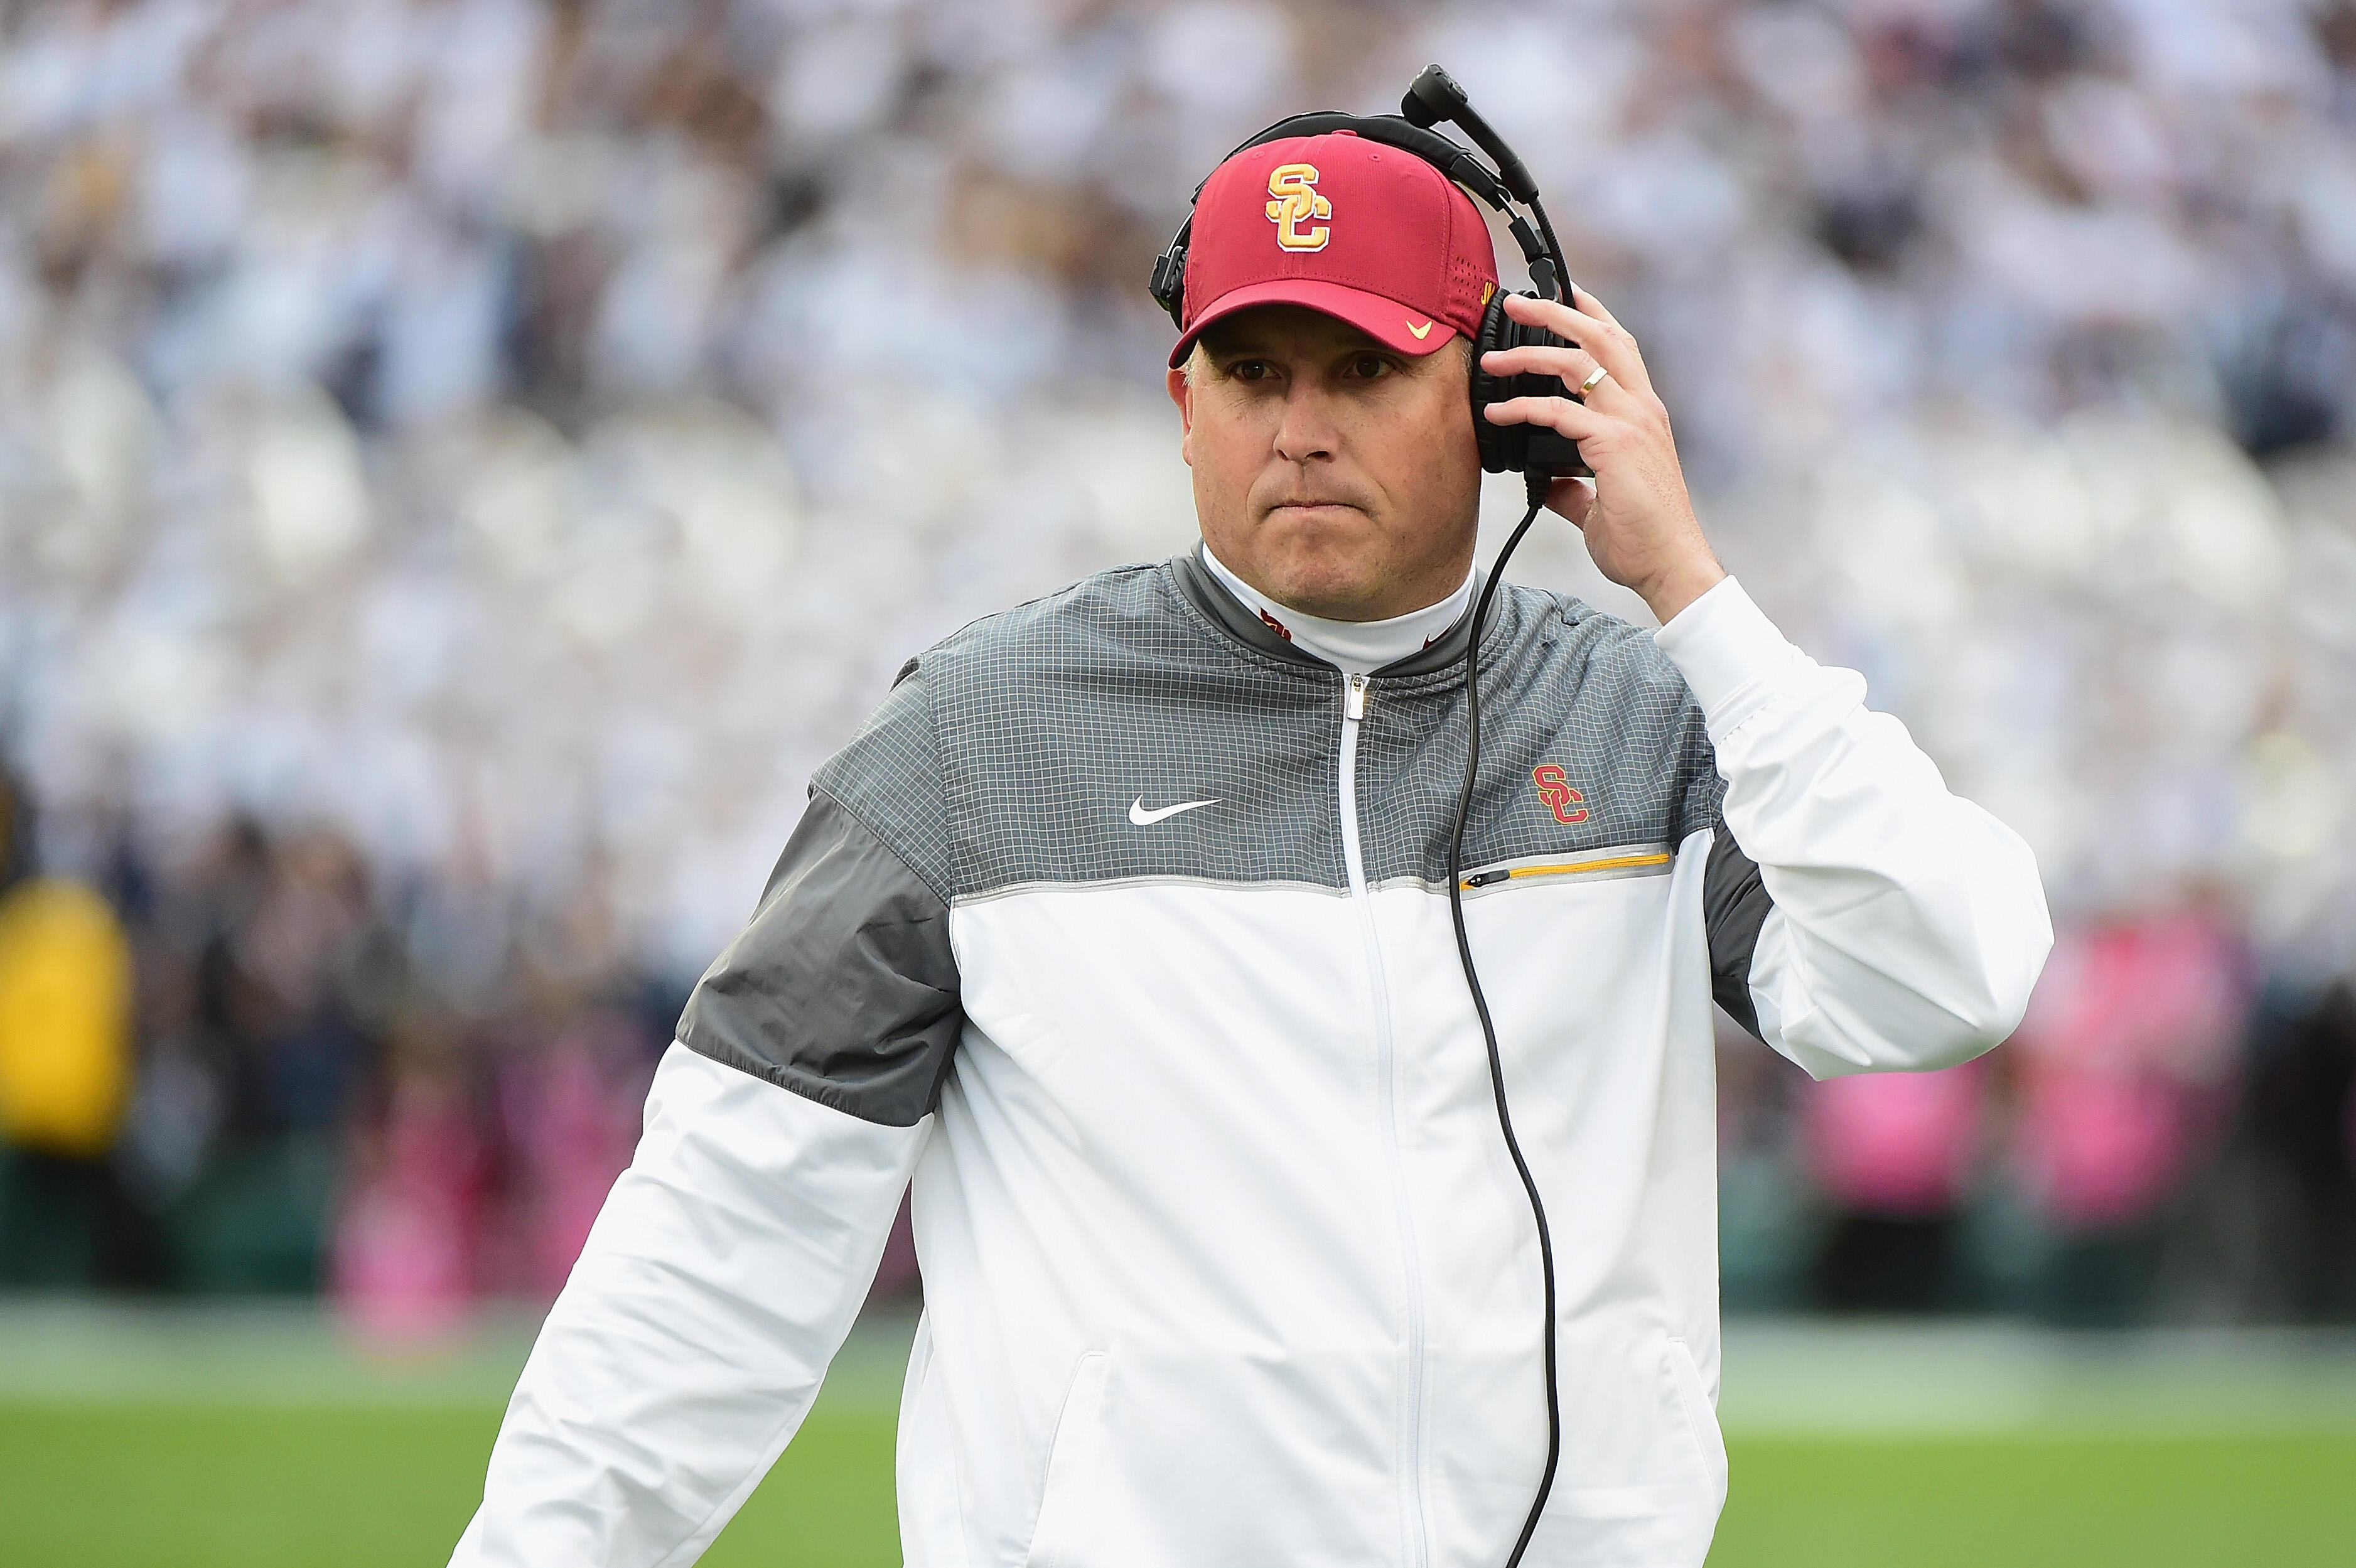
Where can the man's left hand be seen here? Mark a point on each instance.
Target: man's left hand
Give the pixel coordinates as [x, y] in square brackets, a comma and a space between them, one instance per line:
[1639, 521]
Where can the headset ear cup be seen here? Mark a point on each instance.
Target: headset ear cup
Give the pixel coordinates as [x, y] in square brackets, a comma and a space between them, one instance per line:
[1500, 445]
[1515, 448]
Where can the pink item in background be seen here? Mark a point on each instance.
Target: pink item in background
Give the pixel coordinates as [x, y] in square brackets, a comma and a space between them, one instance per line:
[577, 1129]
[1896, 1145]
[2103, 1151]
[404, 1243]
[2127, 1042]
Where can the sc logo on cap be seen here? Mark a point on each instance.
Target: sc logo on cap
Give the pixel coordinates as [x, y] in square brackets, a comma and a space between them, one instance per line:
[1294, 186]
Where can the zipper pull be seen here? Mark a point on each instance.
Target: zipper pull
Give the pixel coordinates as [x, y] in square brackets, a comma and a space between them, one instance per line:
[1353, 700]
[1486, 879]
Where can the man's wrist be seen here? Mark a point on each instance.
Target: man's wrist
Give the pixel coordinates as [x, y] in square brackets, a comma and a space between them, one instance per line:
[1680, 585]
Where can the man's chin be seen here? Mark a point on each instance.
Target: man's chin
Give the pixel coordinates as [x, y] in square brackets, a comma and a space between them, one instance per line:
[1332, 585]
[1330, 560]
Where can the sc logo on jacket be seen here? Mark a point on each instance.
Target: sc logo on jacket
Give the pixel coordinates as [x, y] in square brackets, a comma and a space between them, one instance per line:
[1554, 789]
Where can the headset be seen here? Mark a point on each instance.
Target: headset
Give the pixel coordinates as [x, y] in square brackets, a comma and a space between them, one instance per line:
[1538, 452]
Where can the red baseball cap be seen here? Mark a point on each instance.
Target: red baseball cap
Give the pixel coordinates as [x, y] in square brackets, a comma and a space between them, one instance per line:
[1343, 225]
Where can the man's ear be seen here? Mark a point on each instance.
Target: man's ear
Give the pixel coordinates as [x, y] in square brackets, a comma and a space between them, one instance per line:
[1182, 392]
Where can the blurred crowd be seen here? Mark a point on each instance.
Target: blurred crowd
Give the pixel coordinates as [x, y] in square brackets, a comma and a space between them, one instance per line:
[464, 461]
[257, 1068]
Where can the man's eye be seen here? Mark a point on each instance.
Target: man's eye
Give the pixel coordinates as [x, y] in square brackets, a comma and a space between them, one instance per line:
[1249, 370]
[1369, 366]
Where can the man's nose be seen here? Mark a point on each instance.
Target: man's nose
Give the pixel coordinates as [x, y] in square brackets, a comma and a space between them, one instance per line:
[1308, 430]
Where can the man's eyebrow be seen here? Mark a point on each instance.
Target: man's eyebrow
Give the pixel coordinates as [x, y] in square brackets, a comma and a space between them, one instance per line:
[1249, 348]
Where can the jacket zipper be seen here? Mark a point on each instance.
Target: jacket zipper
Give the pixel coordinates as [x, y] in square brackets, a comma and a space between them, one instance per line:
[1409, 1442]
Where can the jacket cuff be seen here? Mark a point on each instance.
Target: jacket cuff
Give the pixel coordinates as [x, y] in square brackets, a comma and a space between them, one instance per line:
[1729, 653]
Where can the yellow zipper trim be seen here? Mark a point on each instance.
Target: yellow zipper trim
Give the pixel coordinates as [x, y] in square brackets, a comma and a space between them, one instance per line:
[1614, 864]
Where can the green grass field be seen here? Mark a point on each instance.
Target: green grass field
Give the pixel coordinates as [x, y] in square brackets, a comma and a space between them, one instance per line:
[161, 1466]
[136, 1487]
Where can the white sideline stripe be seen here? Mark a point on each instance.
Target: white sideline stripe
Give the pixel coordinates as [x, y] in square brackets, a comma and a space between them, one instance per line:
[1783, 1376]
[1799, 1376]
[300, 1355]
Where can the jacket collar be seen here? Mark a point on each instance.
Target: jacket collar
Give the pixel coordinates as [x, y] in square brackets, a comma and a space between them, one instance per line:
[1206, 593]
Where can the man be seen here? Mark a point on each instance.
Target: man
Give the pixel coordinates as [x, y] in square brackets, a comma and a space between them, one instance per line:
[1122, 926]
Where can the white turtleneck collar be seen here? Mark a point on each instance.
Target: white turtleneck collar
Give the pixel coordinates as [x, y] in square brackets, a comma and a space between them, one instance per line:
[1354, 647]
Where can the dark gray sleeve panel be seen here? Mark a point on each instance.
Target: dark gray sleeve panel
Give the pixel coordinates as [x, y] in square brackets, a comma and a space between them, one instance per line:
[1734, 904]
[843, 988]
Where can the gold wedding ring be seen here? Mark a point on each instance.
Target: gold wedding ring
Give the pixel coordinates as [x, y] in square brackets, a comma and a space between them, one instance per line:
[1594, 380]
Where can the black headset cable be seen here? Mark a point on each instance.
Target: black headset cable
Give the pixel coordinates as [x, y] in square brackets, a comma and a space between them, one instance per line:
[1539, 485]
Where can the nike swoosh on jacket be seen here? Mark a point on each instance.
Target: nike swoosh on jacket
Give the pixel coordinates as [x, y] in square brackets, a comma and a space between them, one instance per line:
[1141, 818]
[1223, 1260]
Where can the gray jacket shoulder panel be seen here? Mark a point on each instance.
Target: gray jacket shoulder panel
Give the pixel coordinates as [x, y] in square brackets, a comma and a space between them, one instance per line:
[889, 777]
[1628, 673]
[1590, 738]
[1062, 722]
[843, 986]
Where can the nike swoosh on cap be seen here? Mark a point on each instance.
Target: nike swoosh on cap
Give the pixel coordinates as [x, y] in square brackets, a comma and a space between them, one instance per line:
[1420, 332]
[1144, 818]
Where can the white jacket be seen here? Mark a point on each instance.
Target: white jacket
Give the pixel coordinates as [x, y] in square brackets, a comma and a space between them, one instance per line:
[1122, 928]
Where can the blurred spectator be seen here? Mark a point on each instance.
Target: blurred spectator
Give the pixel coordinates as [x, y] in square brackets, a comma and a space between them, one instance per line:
[65, 988]
[1771, 1225]
[2302, 1128]
[2127, 1061]
[1894, 1155]
[410, 1236]
[572, 1109]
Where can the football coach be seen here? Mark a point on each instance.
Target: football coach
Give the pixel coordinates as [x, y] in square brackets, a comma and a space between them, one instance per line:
[1122, 929]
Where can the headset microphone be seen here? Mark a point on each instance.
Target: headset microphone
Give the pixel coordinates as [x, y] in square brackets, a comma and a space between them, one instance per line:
[1434, 96]
[1536, 451]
